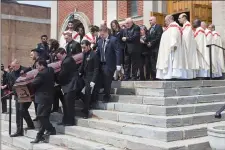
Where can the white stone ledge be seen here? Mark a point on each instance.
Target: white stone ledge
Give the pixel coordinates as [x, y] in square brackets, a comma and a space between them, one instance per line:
[25, 19]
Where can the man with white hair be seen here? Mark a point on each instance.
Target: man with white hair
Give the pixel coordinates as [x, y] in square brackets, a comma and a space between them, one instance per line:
[203, 52]
[132, 51]
[172, 60]
[190, 45]
[218, 54]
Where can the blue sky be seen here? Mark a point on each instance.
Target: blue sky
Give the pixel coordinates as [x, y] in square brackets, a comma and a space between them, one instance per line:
[38, 3]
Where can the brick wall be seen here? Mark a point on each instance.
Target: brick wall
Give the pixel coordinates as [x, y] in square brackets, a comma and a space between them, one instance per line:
[19, 37]
[67, 7]
[122, 10]
[104, 5]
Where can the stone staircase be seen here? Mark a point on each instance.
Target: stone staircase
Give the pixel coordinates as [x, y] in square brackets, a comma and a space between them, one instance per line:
[159, 115]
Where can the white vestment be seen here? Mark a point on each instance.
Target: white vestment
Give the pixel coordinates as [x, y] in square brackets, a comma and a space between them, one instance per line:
[62, 41]
[218, 54]
[90, 38]
[203, 52]
[172, 59]
[191, 49]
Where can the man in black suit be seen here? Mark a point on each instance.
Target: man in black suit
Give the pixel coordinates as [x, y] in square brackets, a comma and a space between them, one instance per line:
[43, 47]
[43, 86]
[21, 108]
[89, 69]
[153, 39]
[72, 46]
[133, 49]
[67, 78]
[109, 54]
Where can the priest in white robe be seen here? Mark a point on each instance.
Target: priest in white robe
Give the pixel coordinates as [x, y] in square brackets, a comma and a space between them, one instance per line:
[203, 52]
[172, 59]
[75, 35]
[92, 36]
[219, 53]
[191, 46]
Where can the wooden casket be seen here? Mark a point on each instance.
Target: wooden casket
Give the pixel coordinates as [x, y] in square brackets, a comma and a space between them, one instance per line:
[22, 85]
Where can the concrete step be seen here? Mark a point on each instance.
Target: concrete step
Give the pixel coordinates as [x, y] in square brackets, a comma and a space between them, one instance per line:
[168, 84]
[64, 141]
[150, 120]
[123, 141]
[23, 143]
[160, 110]
[157, 133]
[157, 121]
[4, 146]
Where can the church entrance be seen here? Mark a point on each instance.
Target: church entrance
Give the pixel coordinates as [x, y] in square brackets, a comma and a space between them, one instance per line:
[176, 16]
[77, 24]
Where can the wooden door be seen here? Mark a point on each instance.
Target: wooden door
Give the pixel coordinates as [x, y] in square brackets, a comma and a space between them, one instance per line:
[160, 17]
[202, 12]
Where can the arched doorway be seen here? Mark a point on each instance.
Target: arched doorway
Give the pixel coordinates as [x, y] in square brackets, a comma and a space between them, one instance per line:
[79, 19]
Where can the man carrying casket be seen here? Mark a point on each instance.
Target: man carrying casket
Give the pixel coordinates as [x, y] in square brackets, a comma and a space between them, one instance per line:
[43, 85]
[21, 108]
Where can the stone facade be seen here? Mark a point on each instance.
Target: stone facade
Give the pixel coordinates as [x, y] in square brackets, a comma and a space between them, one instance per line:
[21, 26]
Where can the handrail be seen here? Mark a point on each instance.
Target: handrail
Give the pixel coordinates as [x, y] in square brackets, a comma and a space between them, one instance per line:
[210, 56]
[216, 46]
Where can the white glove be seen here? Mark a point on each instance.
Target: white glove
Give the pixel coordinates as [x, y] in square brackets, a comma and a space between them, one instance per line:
[118, 68]
[92, 84]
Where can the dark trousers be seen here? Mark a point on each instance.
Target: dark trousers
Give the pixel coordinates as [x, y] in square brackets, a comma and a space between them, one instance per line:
[131, 60]
[145, 65]
[43, 114]
[153, 61]
[105, 81]
[68, 107]
[35, 107]
[23, 113]
[90, 96]
[4, 104]
[58, 96]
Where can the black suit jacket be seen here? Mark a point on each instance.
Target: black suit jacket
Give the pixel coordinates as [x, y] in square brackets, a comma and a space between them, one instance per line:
[43, 50]
[73, 48]
[90, 66]
[43, 85]
[133, 39]
[112, 53]
[154, 37]
[68, 75]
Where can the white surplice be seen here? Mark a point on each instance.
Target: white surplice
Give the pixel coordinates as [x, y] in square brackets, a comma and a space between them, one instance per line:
[203, 52]
[90, 38]
[191, 49]
[62, 41]
[218, 54]
[172, 59]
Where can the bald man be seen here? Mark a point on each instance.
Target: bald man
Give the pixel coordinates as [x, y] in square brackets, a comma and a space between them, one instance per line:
[132, 52]
[203, 52]
[21, 108]
[172, 60]
[190, 45]
[218, 54]
[153, 39]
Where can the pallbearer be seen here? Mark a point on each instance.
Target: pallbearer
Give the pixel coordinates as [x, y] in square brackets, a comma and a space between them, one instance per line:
[218, 51]
[190, 45]
[89, 69]
[172, 60]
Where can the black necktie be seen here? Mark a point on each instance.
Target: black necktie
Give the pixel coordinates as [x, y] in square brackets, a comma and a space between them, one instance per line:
[103, 52]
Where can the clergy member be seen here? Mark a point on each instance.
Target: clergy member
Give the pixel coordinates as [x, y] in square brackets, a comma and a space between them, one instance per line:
[220, 54]
[172, 60]
[75, 35]
[191, 46]
[203, 52]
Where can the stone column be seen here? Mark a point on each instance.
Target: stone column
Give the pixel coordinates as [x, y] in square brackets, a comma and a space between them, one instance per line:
[54, 20]
[218, 18]
[111, 11]
[147, 8]
[98, 12]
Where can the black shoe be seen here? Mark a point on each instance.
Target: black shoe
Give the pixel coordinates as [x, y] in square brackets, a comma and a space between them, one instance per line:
[17, 134]
[29, 128]
[218, 115]
[38, 139]
[35, 119]
[52, 132]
